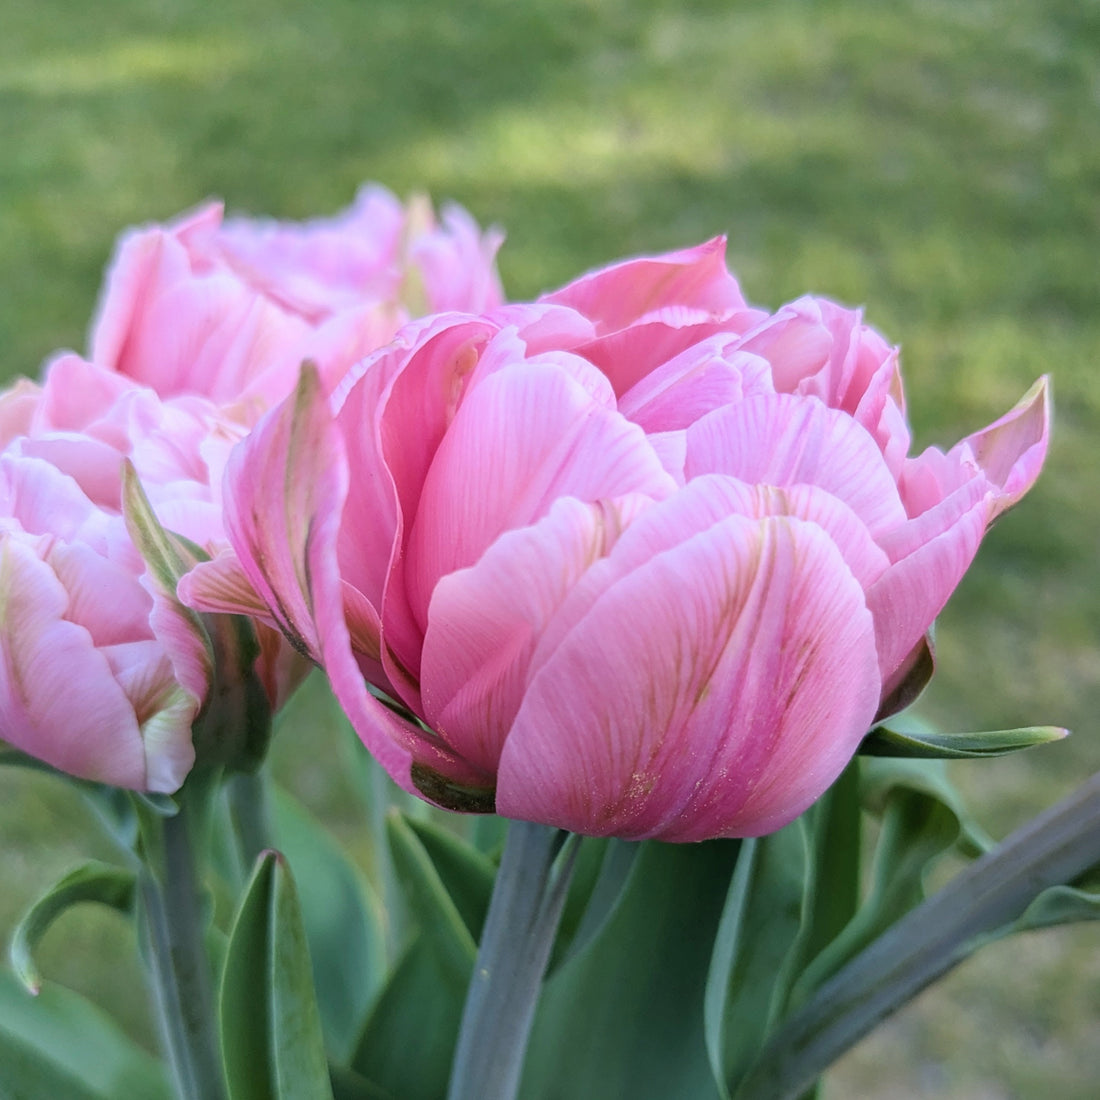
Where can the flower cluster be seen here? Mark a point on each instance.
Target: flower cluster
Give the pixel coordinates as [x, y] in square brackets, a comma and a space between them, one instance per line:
[202, 326]
[634, 559]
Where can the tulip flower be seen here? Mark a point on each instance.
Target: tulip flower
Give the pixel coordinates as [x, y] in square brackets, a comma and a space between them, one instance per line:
[634, 560]
[103, 672]
[229, 310]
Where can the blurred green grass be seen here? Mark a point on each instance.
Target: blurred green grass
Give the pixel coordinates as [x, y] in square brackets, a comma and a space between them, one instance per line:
[937, 161]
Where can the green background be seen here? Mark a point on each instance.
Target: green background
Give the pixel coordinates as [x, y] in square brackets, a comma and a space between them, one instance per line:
[937, 162]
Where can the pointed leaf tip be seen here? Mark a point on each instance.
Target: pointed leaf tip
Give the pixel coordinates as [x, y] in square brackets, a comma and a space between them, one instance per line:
[925, 744]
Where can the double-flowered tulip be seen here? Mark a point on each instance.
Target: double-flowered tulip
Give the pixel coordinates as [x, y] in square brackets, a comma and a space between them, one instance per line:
[201, 326]
[102, 673]
[230, 308]
[633, 560]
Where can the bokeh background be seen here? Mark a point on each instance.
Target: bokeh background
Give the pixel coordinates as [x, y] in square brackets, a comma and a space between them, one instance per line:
[936, 161]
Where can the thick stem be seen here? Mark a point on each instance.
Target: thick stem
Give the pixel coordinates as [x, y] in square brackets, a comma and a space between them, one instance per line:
[180, 966]
[515, 947]
[1055, 848]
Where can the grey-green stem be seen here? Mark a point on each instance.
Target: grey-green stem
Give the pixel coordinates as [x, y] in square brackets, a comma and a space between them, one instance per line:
[519, 932]
[181, 971]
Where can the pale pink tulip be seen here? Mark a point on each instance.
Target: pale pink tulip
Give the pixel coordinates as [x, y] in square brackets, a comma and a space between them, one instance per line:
[103, 673]
[641, 560]
[229, 310]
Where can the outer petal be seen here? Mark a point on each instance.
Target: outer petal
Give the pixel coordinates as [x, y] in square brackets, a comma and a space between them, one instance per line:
[285, 489]
[743, 687]
[285, 486]
[955, 497]
[484, 622]
[1011, 450]
[59, 697]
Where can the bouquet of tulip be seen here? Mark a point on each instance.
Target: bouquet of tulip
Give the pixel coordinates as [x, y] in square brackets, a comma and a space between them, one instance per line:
[624, 591]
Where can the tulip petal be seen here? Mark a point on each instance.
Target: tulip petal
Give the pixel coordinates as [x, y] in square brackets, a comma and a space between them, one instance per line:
[522, 438]
[286, 485]
[786, 440]
[1011, 450]
[283, 482]
[59, 700]
[929, 555]
[690, 385]
[221, 585]
[743, 687]
[484, 622]
[620, 295]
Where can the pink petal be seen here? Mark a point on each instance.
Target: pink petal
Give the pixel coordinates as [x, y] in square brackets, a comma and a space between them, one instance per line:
[785, 440]
[622, 294]
[484, 622]
[59, 700]
[286, 485]
[285, 488]
[1011, 450]
[521, 439]
[704, 378]
[144, 260]
[929, 556]
[741, 686]
[105, 598]
[222, 585]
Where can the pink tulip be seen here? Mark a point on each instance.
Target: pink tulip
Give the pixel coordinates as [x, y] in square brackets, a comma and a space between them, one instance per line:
[102, 673]
[230, 310]
[641, 561]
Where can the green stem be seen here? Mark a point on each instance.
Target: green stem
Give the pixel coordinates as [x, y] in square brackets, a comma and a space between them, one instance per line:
[249, 808]
[1055, 848]
[515, 947]
[181, 970]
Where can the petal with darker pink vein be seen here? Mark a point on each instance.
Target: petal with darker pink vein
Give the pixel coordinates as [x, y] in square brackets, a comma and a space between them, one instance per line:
[739, 689]
[285, 489]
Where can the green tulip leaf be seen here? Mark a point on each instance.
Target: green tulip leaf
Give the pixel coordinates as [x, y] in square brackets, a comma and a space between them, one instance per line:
[836, 836]
[349, 1085]
[428, 899]
[465, 873]
[1044, 873]
[602, 871]
[408, 1040]
[926, 744]
[272, 1043]
[95, 882]
[58, 1045]
[343, 923]
[764, 918]
[922, 818]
